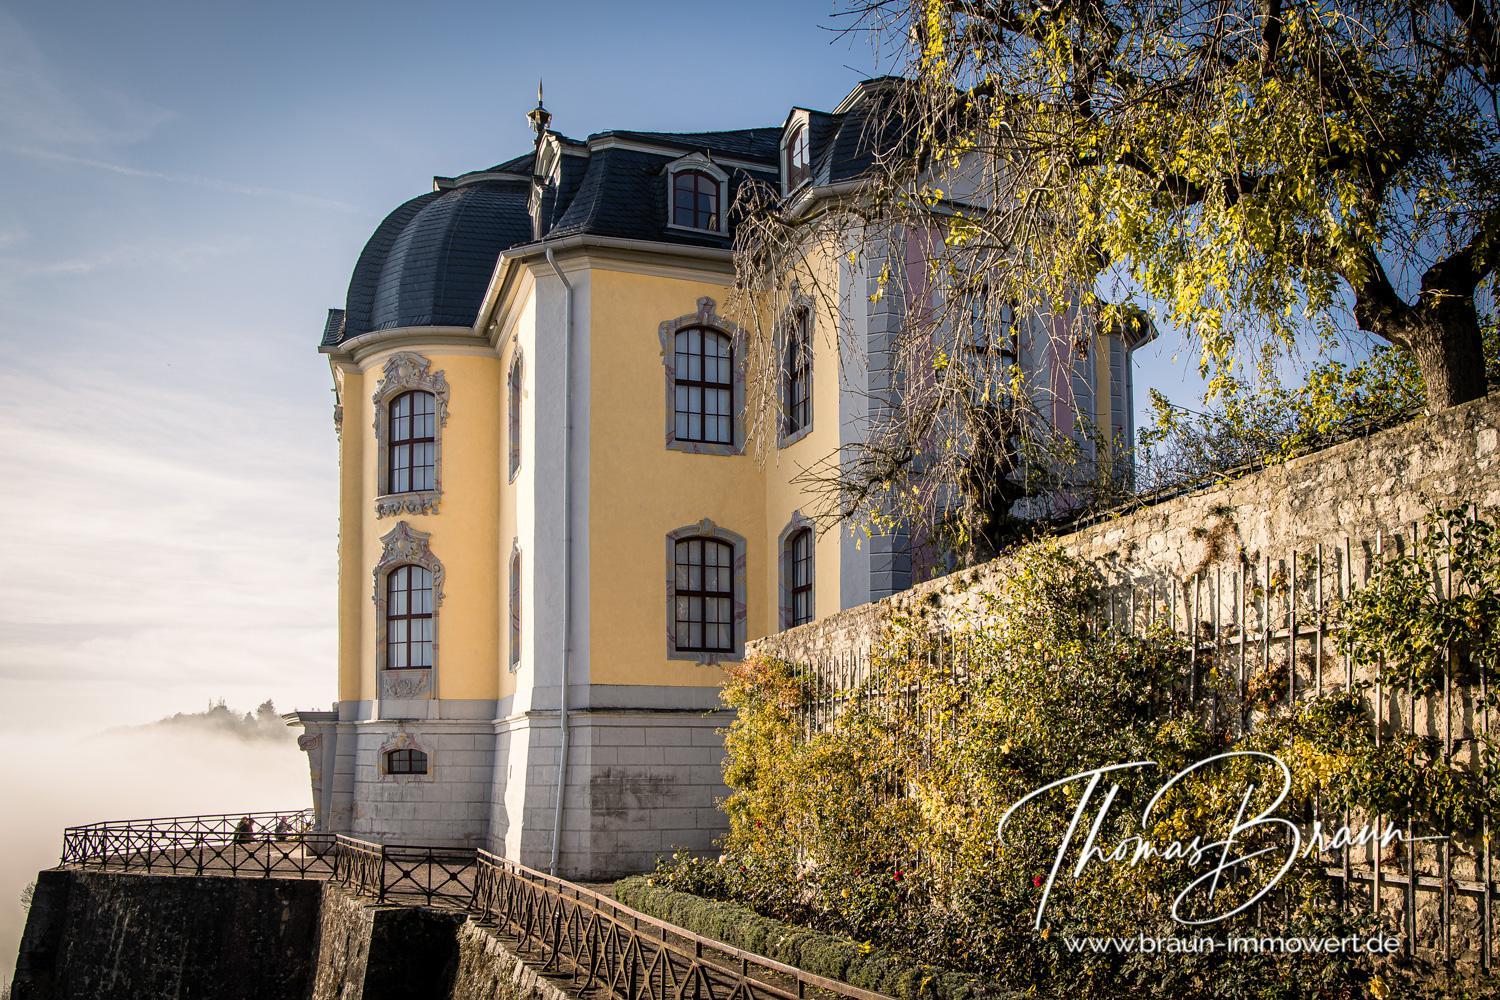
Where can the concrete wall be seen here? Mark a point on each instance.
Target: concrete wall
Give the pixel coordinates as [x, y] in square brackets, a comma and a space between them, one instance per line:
[1377, 483]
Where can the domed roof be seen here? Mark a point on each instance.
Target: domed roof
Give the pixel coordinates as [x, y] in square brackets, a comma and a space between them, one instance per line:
[430, 261]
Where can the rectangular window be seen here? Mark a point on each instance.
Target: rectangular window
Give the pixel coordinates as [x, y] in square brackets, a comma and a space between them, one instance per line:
[412, 456]
[797, 374]
[703, 391]
[800, 576]
[704, 596]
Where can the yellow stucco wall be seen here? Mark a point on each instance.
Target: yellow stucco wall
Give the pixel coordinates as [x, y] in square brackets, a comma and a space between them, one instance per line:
[465, 528]
[784, 465]
[354, 427]
[639, 490]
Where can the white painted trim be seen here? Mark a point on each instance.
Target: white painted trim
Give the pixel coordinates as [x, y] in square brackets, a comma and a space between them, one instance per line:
[548, 158]
[695, 229]
[698, 163]
[451, 339]
[864, 87]
[635, 145]
[808, 193]
[717, 276]
[499, 291]
[802, 117]
[449, 183]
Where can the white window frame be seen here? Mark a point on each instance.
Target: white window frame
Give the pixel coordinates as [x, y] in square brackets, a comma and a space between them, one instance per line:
[702, 164]
[798, 118]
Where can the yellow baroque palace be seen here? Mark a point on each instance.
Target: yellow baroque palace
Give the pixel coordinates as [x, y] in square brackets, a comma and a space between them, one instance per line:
[551, 534]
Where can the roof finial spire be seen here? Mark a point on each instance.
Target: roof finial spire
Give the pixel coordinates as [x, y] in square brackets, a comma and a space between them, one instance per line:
[539, 116]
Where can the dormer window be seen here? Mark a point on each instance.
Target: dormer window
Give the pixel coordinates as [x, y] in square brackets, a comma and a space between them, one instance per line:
[797, 167]
[695, 200]
[698, 192]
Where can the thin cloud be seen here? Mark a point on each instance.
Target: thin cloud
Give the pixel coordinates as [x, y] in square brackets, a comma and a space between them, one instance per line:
[194, 180]
[36, 108]
[178, 257]
[153, 559]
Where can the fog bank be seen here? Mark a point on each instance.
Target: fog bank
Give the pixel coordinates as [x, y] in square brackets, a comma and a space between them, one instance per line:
[209, 762]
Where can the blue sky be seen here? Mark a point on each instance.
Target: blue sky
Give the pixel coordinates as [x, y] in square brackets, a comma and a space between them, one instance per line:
[187, 187]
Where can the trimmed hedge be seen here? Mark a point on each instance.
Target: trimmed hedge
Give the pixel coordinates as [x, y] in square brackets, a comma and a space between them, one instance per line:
[809, 950]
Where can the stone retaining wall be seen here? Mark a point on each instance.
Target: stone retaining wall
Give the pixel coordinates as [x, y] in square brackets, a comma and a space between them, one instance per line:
[1377, 483]
[123, 936]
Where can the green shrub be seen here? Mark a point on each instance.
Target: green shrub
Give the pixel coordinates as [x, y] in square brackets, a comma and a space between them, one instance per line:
[818, 838]
[811, 951]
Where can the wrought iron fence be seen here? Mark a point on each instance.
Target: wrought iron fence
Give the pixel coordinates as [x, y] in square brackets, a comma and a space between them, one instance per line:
[405, 872]
[603, 947]
[1269, 627]
[264, 844]
[608, 949]
[273, 844]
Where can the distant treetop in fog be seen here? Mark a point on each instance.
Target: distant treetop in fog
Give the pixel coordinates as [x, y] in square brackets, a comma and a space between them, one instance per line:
[219, 719]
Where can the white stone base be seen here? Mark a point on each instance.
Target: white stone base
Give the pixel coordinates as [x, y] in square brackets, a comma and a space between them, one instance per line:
[642, 783]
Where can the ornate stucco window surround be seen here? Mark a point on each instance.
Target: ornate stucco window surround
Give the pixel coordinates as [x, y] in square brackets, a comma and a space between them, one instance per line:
[795, 336]
[407, 371]
[400, 744]
[708, 172]
[708, 530]
[706, 318]
[403, 546]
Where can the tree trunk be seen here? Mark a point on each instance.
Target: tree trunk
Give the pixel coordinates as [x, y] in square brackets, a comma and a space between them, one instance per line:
[1449, 349]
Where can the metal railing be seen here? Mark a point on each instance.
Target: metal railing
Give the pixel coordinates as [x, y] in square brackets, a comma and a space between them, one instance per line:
[402, 872]
[605, 947]
[601, 946]
[243, 844]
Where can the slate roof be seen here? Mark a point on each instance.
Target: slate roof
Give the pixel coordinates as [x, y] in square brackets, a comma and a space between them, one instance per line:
[430, 261]
[844, 146]
[333, 327]
[624, 194]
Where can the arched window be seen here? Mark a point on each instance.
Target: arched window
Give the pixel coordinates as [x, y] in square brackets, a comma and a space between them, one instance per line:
[408, 618]
[703, 386]
[515, 608]
[797, 166]
[513, 389]
[695, 200]
[411, 463]
[410, 406]
[796, 375]
[798, 563]
[704, 595]
[405, 762]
